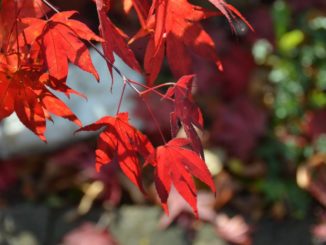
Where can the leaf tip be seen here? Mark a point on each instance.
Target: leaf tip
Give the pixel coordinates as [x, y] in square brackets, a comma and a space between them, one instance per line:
[196, 213]
[43, 138]
[165, 208]
[98, 167]
[78, 123]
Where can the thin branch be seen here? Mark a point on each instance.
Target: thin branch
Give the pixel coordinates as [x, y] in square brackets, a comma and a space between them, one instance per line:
[121, 97]
[155, 120]
[154, 90]
[124, 78]
[156, 87]
[42, 10]
[51, 6]
[116, 69]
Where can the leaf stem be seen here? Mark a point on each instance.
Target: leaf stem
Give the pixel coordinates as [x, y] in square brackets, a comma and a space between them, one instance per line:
[121, 97]
[156, 87]
[17, 41]
[152, 89]
[126, 80]
[155, 120]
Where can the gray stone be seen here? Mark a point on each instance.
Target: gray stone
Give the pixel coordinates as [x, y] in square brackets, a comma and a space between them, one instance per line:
[139, 226]
[24, 224]
[206, 235]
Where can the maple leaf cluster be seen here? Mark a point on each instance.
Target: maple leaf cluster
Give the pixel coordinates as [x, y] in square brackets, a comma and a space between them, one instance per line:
[38, 42]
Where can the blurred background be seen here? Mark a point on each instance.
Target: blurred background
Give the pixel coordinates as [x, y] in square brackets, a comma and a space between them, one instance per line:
[265, 144]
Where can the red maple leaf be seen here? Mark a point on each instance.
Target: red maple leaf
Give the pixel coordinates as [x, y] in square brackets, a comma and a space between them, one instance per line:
[34, 57]
[22, 92]
[186, 111]
[58, 40]
[121, 141]
[114, 39]
[177, 31]
[176, 165]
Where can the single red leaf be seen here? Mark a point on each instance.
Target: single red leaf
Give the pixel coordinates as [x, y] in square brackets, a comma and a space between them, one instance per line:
[176, 165]
[186, 112]
[153, 62]
[114, 39]
[59, 40]
[123, 142]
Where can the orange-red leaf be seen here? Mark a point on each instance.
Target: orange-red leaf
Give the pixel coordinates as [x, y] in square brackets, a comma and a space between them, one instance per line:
[178, 31]
[23, 91]
[115, 39]
[11, 12]
[176, 166]
[59, 37]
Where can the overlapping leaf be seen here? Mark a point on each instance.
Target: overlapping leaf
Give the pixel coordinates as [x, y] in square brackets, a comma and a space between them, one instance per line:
[21, 92]
[121, 141]
[178, 32]
[58, 40]
[186, 111]
[34, 57]
[141, 7]
[10, 12]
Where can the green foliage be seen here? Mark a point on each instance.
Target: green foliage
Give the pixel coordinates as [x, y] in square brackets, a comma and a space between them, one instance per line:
[298, 75]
